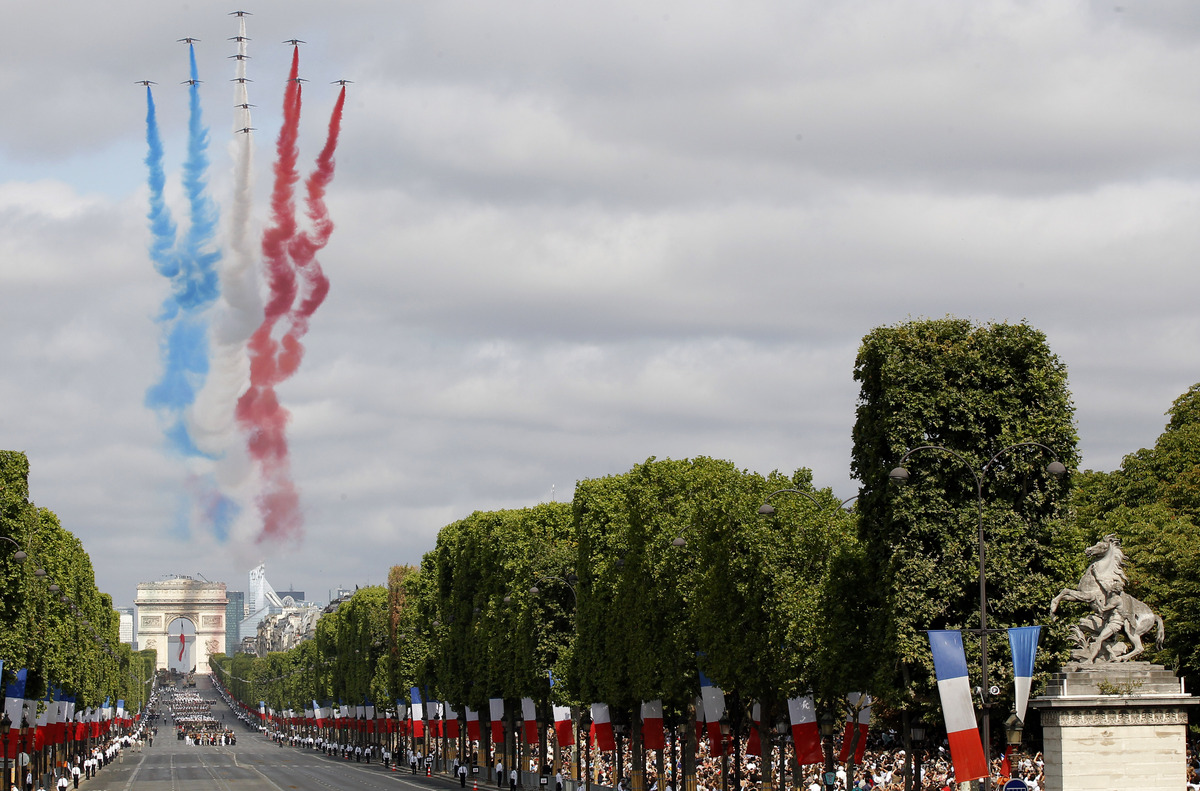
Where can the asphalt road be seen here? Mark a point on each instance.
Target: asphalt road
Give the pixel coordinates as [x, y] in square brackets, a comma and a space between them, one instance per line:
[254, 764]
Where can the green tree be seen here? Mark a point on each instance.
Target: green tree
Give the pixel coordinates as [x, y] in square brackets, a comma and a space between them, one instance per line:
[975, 390]
[1153, 503]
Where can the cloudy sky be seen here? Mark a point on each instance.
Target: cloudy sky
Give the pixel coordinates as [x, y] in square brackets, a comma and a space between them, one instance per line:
[574, 235]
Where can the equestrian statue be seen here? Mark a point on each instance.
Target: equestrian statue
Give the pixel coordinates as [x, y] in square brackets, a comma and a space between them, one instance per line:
[1114, 613]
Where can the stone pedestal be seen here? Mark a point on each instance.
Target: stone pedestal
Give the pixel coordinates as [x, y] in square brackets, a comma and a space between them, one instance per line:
[1114, 727]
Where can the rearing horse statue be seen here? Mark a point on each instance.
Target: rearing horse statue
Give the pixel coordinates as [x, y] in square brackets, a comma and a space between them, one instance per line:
[1114, 612]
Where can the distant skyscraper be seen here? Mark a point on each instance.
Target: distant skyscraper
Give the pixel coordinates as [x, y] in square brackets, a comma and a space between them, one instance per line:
[128, 626]
[235, 611]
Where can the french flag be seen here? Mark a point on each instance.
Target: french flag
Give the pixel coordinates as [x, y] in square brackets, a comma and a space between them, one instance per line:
[496, 706]
[602, 727]
[472, 725]
[418, 713]
[855, 699]
[529, 714]
[753, 743]
[714, 707]
[653, 735]
[950, 665]
[563, 732]
[1023, 640]
[806, 736]
[451, 721]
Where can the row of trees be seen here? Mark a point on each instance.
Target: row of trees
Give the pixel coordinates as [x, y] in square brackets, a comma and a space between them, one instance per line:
[647, 578]
[53, 620]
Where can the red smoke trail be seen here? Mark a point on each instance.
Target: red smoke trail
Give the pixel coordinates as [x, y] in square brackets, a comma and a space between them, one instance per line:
[259, 411]
[303, 248]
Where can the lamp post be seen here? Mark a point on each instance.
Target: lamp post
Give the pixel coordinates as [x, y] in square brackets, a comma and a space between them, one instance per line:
[900, 476]
[5, 729]
[916, 735]
[826, 725]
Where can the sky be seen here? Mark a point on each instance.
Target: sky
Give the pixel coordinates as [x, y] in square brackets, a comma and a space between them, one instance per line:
[571, 236]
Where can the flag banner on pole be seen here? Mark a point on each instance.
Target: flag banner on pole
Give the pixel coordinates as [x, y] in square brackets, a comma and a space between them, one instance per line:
[496, 709]
[14, 698]
[1023, 640]
[753, 742]
[806, 736]
[451, 720]
[950, 666]
[472, 724]
[714, 708]
[864, 722]
[602, 726]
[418, 713]
[564, 730]
[653, 735]
[529, 714]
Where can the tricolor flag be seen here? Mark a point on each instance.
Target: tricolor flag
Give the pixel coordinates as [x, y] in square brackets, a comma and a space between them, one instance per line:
[653, 736]
[472, 725]
[806, 736]
[563, 730]
[496, 709]
[529, 714]
[950, 665]
[451, 720]
[14, 698]
[753, 742]
[602, 728]
[855, 699]
[714, 708]
[1023, 640]
[319, 714]
[418, 713]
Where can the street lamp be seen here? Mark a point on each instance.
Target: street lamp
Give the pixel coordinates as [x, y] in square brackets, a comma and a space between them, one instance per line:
[916, 736]
[900, 476]
[826, 726]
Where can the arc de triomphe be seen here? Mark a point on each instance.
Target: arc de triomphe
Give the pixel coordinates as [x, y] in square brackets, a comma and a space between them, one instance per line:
[202, 603]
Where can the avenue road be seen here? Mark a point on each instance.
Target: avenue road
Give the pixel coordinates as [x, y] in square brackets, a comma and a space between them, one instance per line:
[254, 764]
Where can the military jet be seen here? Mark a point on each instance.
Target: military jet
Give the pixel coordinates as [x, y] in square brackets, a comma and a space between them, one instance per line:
[191, 82]
[294, 41]
[340, 82]
[145, 82]
[242, 80]
[239, 13]
[240, 56]
[297, 79]
[188, 40]
[238, 38]
[245, 130]
[245, 106]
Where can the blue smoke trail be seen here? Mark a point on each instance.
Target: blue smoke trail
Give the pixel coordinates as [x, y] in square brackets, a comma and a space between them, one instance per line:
[191, 268]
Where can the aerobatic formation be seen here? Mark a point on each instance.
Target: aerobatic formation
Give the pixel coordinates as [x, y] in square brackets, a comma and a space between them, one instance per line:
[238, 308]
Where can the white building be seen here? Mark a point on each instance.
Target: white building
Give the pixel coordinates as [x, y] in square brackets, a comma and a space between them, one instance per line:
[128, 627]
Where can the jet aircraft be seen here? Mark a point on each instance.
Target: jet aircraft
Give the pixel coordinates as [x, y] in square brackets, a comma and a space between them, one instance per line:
[245, 106]
[188, 40]
[240, 13]
[245, 130]
[238, 38]
[191, 82]
[340, 82]
[145, 82]
[294, 41]
[240, 56]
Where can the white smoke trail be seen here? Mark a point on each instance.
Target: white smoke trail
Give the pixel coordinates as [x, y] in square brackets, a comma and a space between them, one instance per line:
[238, 314]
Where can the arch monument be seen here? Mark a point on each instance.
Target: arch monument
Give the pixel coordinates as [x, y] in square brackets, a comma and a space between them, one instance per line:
[201, 602]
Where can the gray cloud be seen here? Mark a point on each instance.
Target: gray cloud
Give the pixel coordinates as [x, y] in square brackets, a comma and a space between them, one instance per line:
[572, 237]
